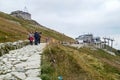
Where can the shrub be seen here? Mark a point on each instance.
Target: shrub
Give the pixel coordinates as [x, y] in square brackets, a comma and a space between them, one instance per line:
[47, 68]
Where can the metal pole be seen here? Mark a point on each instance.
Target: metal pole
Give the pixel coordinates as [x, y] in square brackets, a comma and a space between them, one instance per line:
[104, 43]
[111, 43]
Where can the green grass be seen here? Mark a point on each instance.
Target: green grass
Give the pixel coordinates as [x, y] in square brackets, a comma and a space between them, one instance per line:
[79, 64]
[64, 65]
[103, 63]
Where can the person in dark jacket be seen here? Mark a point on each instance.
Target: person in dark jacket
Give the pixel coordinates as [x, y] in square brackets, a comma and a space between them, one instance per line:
[36, 36]
[40, 33]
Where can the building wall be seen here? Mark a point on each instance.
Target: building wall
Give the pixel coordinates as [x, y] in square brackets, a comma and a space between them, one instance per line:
[21, 14]
[86, 38]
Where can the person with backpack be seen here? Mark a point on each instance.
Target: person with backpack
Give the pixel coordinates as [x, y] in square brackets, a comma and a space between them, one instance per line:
[36, 36]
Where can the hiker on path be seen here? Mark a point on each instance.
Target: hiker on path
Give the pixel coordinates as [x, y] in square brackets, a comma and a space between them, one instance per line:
[36, 36]
[31, 38]
[39, 39]
[47, 40]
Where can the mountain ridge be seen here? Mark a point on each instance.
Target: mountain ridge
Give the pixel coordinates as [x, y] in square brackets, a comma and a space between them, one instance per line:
[13, 26]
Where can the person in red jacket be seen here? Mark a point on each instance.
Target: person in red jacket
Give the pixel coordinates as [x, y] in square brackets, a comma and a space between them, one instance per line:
[31, 38]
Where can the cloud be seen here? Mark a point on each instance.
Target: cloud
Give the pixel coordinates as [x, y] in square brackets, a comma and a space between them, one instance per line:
[111, 5]
[75, 22]
[8, 6]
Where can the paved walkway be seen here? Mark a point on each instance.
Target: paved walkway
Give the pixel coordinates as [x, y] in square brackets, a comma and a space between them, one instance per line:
[22, 64]
[77, 45]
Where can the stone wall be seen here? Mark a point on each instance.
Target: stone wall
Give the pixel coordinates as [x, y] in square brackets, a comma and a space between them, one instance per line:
[6, 47]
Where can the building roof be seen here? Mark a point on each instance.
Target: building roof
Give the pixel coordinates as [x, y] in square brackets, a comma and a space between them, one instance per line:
[18, 11]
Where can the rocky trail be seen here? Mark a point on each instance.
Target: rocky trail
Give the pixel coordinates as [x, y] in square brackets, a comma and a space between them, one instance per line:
[22, 64]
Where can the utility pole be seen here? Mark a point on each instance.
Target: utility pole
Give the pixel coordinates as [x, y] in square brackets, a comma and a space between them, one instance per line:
[108, 41]
[112, 43]
[105, 42]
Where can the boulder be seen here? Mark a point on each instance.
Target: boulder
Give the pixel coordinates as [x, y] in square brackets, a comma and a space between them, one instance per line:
[19, 75]
[33, 72]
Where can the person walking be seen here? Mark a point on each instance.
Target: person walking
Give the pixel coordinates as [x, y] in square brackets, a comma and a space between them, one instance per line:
[39, 39]
[36, 36]
[31, 38]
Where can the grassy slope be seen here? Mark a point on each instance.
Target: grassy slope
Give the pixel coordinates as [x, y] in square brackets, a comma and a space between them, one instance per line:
[79, 64]
[71, 63]
[12, 29]
[100, 64]
[64, 64]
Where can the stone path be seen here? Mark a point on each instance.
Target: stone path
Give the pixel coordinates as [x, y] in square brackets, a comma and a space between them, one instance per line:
[22, 64]
[77, 45]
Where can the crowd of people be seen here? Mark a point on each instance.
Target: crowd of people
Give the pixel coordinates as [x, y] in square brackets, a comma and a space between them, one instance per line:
[34, 37]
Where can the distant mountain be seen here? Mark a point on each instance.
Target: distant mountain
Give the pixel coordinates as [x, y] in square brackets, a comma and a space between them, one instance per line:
[14, 28]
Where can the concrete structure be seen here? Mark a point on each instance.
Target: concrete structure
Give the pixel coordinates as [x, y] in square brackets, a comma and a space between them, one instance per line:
[21, 14]
[108, 43]
[87, 38]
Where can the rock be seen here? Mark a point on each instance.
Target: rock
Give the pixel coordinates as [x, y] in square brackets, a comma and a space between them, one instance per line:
[16, 62]
[33, 78]
[15, 43]
[5, 60]
[7, 77]
[12, 59]
[20, 69]
[32, 65]
[24, 59]
[40, 53]
[29, 65]
[4, 70]
[2, 77]
[13, 69]
[35, 57]
[19, 75]
[32, 73]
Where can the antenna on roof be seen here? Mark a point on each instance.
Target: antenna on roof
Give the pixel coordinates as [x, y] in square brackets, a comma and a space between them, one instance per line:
[25, 9]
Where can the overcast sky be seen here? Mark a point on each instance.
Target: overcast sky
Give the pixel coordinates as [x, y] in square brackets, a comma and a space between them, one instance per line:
[73, 17]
